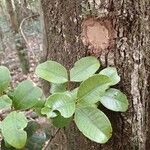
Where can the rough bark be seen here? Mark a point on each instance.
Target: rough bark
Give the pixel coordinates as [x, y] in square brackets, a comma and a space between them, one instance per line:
[130, 55]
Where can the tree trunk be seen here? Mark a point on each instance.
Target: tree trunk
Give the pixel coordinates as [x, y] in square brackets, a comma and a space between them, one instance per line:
[21, 10]
[70, 27]
[19, 41]
[2, 45]
[24, 3]
[12, 16]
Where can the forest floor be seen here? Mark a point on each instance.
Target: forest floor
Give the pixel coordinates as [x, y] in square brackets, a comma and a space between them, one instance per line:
[11, 60]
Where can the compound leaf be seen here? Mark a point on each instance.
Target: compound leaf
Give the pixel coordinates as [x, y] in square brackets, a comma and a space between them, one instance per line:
[84, 68]
[93, 123]
[115, 100]
[5, 79]
[52, 72]
[61, 102]
[111, 72]
[12, 129]
[57, 88]
[92, 88]
[60, 121]
[5, 102]
[26, 95]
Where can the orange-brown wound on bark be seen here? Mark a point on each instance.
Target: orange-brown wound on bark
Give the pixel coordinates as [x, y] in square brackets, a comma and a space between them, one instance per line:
[98, 34]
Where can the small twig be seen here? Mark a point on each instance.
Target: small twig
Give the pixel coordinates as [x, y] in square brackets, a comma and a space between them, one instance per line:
[3, 113]
[23, 34]
[50, 140]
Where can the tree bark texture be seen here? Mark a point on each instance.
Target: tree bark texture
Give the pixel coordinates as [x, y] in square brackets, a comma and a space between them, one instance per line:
[130, 55]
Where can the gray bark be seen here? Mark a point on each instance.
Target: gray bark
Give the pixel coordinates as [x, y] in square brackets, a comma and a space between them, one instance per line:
[130, 55]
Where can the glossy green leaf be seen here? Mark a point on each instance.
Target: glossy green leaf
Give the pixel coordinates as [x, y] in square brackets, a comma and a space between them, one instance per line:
[92, 88]
[93, 123]
[12, 129]
[84, 68]
[52, 72]
[61, 102]
[26, 95]
[58, 88]
[5, 79]
[5, 102]
[48, 112]
[60, 121]
[115, 100]
[111, 72]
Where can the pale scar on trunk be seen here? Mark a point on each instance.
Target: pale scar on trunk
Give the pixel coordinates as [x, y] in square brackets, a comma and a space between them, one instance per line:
[98, 35]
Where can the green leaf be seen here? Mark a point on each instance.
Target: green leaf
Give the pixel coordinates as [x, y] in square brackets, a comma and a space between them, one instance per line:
[86, 104]
[72, 94]
[6, 146]
[12, 129]
[5, 79]
[52, 72]
[38, 106]
[84, 68]
[5, 102]
[93, 123]
[93, 88]
[26, 95]
[60, 121]
[31, 128]
[61, 102]
[57, 88]
[49, 112]
[115, 100]
[36, 141]
[111, 72]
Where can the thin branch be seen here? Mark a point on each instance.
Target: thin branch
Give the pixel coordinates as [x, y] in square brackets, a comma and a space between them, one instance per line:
[51, 139]
[23, 34]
